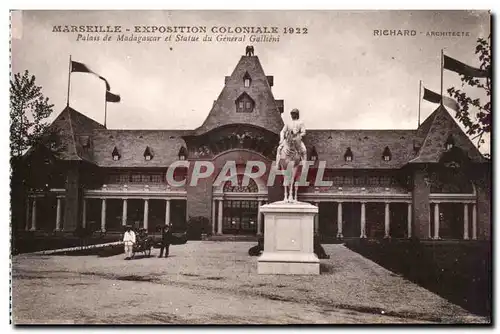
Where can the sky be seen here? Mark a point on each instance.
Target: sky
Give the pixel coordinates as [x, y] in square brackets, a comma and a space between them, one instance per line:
[339, 75]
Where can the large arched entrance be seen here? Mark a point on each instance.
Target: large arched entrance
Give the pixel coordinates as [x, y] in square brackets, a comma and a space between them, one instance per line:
[240, 211]
[236, 206]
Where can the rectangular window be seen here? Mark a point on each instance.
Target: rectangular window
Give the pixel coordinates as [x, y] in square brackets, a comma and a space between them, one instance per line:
[145, 178]
[124, 178]
[241, 104]
[348, 180]
[247, 82]
[156, 178]
[249, 105]
[359, 180]
[385, 180]
[373, 180]
[136, 178]
[114, 178]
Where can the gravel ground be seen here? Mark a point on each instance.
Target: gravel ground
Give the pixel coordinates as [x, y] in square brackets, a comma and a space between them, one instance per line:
[217, 283]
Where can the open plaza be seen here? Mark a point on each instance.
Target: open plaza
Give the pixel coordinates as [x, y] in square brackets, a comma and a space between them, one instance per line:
[207, 282]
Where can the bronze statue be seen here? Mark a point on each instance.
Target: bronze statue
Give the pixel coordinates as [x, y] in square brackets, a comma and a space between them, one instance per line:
[291, 151]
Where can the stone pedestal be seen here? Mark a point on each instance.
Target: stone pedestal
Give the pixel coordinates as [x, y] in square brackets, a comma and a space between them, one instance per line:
[288, 239]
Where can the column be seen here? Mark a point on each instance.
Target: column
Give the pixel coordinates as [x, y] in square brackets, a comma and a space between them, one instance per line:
[167, 212]
[84, 213]
[316, 219]
[466, 221]
[436, 220]
[214, 209]
[259, 219]
[387, 221]
[124, 212]
[33, 215]
[27, 222]
[474, 222]
[58, 215]
[339, 220]
[146, 213]
[430, 229]
[409, 220]
[219, 219]
[103, 215]
[363, 220]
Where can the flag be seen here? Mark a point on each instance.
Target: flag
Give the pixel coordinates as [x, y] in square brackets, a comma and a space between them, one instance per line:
[80, 67]
[433, 97]
[461, 68]
[110, 97]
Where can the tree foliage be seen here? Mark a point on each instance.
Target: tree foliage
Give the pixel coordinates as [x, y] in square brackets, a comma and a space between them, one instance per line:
[473, 113]
[29, 110]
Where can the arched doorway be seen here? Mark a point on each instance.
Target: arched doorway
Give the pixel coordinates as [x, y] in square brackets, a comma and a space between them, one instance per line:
[238, 206]
[239, 213]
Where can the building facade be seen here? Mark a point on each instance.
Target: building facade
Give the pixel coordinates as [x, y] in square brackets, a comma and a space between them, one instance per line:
[427, 183]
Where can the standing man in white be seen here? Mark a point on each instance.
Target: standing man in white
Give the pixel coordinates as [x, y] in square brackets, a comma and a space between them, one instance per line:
[128, 241]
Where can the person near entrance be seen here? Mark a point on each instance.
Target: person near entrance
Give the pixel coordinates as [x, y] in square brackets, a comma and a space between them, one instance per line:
[128, 241]
[166, 239]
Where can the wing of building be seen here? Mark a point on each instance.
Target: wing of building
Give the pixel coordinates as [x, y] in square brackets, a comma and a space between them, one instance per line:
[430, 182]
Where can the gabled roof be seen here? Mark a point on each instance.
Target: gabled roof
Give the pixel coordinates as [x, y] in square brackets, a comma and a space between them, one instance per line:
[266, 113]
[367, 147]
[441, 125]
[165, 144]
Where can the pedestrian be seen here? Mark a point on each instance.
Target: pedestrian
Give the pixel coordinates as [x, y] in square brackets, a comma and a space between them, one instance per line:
[166, 239]
[129, 242]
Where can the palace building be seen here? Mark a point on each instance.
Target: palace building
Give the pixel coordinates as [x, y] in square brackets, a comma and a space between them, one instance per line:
[427, 183]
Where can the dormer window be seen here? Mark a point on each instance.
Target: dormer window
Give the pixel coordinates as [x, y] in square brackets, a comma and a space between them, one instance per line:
[85, 142]
[348, 155]
[387, 154]
[247, 80]
[314, 154]
[182, 153]
[244, 103]
[148, 154]
[450, 143]
[116, 155]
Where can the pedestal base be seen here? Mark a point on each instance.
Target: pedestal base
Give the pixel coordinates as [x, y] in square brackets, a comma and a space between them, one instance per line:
[288, 239]
[288, 264]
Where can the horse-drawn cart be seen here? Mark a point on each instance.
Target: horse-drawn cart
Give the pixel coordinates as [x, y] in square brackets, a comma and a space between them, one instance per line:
[143, 244]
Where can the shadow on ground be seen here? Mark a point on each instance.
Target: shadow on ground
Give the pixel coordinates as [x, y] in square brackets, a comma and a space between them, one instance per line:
[457, 271]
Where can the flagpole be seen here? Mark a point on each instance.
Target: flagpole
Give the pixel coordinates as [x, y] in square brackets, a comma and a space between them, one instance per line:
[105, 109]
[419, 100]
[69, 81]
[442, 63]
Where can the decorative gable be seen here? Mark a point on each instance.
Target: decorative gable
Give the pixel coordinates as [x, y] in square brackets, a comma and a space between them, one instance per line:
[265, 112]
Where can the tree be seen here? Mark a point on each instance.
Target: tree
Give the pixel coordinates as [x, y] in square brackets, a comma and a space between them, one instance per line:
[478, 124]
[29, 110]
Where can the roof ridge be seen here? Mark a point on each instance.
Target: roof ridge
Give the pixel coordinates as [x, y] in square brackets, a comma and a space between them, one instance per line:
[88, 118]
[72, 131]
[433, 116]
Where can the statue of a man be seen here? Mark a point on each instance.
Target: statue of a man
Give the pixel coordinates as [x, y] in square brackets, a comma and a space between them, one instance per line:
[296, 129]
